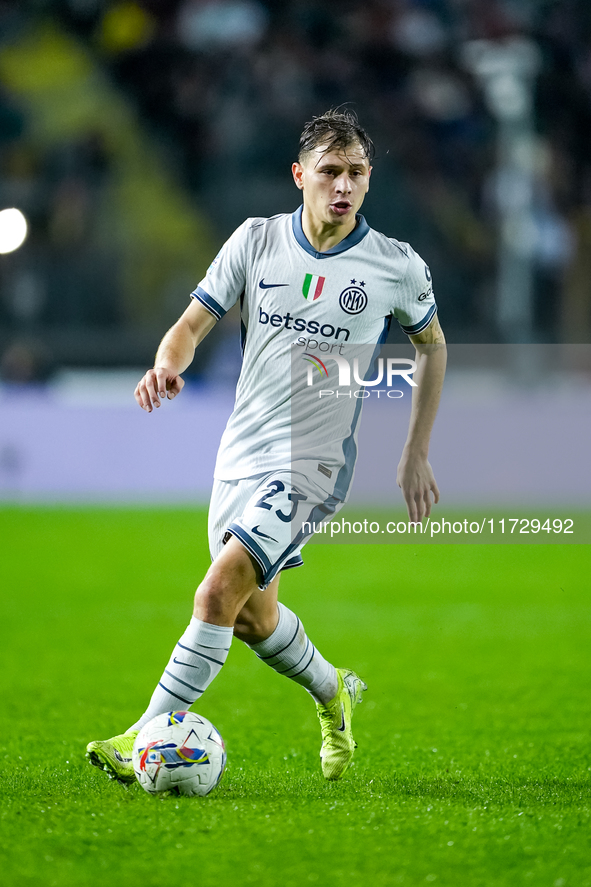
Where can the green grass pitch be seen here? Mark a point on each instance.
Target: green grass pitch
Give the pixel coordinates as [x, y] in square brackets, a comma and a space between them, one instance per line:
[474, 759]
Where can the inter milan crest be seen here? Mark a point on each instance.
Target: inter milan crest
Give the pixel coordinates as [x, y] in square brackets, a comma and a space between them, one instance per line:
[353, 300]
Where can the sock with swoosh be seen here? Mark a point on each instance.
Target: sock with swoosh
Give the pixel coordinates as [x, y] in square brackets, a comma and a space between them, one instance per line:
[290, 652]
[196, 660]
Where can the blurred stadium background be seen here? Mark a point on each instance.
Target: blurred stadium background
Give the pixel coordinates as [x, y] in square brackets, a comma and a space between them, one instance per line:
[135, 136]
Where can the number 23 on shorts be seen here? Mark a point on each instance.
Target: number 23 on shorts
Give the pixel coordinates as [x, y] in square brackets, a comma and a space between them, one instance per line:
[274, 488]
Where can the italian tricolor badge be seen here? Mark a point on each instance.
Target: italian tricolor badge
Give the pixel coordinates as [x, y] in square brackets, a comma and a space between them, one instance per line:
[312, 287]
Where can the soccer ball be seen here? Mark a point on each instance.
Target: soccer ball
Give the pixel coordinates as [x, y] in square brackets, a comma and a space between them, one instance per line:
[180, 753]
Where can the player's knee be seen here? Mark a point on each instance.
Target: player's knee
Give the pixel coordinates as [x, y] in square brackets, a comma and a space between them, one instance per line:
[215, 589]
[226, 580]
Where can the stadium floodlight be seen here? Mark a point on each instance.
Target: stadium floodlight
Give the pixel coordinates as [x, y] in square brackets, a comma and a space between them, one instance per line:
[13, 230]
[507, 70]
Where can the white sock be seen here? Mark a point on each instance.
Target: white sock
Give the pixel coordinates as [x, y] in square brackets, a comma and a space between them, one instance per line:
[196, 660]
[290, 652]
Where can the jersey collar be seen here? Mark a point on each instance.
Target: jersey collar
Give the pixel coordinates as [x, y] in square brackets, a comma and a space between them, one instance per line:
[352, 239]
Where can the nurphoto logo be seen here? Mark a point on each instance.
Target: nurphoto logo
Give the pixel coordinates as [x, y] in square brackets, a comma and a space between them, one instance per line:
[387, 372]
[344, 368]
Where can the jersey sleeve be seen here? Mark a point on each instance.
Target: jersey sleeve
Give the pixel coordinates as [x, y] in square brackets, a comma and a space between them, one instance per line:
[414, 304]
[225, 280]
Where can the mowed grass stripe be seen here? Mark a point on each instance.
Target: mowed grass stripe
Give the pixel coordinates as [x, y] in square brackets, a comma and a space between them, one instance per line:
[473, 765]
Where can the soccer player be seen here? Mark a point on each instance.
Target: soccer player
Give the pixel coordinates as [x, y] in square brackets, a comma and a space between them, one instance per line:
[318, 277]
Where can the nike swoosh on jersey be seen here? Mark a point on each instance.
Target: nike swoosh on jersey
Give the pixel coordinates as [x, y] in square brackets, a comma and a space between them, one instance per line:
[270, 286]
[257, 532]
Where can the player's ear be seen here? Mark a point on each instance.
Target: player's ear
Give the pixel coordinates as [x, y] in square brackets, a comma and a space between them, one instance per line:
[297, 171]
[368, 177]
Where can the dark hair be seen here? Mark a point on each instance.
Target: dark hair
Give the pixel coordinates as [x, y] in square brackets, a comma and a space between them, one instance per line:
[335, 129]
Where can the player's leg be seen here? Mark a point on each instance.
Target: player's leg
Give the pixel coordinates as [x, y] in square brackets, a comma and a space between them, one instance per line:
[198, 656]
[278, 638]
[202, 650]
[267, 527]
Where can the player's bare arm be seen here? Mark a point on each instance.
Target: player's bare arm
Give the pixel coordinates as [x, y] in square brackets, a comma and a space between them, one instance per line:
[415, 475]
[175, 353]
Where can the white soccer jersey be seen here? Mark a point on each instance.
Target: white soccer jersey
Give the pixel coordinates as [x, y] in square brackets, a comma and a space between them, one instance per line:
[291, 294]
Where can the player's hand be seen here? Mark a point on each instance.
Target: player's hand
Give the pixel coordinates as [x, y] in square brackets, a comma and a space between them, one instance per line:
[158, 384]
[416, 480]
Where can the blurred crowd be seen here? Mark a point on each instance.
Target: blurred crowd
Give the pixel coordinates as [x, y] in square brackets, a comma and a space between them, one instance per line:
[224, 87]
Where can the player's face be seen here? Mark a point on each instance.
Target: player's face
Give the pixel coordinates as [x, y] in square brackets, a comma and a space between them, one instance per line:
[334, 183]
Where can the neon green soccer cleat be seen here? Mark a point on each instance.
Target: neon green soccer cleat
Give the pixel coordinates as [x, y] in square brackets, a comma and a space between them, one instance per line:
[114, 756]
[338, 744]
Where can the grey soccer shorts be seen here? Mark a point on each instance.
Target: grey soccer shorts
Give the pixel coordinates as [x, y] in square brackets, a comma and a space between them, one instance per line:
[272, 514]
